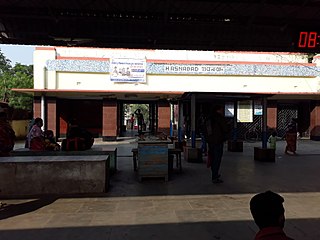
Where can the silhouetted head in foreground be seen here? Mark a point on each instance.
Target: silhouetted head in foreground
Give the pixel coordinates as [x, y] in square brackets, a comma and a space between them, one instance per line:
[267, 210]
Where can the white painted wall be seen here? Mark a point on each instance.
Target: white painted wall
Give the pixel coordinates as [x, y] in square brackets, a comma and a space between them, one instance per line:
[180, 83]
[87, 81]
[39, 67]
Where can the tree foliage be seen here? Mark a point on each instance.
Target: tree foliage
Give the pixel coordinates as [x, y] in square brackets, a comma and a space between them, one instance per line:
[5, 64]
[131, 108]
[19, 76]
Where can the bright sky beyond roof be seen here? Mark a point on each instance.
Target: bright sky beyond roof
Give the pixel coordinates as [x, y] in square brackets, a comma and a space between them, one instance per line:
[18, 53]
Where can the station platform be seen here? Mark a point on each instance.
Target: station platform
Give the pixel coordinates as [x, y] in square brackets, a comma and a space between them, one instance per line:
[188, 206]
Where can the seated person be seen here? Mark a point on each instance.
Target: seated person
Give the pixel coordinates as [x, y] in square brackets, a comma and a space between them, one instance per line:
[78, 139]
[35, 136]
[7, 135]
[49, 141]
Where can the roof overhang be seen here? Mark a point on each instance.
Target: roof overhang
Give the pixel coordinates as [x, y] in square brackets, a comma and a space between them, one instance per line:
[253, 96]
[97, 94]
[169, 95]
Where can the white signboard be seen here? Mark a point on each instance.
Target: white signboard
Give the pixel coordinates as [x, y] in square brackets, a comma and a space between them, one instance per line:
[245, 112]
[127, 70]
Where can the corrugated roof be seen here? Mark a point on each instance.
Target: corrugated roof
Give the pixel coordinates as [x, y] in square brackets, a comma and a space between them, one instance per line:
[265, 25]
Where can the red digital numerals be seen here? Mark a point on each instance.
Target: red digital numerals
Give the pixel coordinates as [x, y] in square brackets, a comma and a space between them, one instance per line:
[308, 40]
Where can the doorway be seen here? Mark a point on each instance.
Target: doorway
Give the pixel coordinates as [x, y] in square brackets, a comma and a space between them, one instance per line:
[129, 118]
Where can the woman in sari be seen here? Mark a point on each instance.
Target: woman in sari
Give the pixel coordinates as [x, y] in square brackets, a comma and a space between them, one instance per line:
[35, 136]
[291, 138]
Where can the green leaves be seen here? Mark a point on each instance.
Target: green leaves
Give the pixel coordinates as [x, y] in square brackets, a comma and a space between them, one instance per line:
[19, 76]
[5, 64]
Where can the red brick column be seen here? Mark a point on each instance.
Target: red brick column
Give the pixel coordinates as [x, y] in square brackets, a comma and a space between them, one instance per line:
[109, 120]
[52, 115]
[37, 107]
[315, 122]
[272, 114]
[164, 117]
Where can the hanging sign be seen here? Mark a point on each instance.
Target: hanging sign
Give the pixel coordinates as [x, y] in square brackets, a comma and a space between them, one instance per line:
[245, 113]
[127, 70]
[258, 108]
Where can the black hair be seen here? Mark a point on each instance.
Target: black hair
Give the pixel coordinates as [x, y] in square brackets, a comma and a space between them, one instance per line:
[266, 209]
[37, 120]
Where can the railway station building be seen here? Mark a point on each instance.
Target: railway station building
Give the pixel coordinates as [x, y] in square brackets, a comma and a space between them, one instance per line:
[93, 84]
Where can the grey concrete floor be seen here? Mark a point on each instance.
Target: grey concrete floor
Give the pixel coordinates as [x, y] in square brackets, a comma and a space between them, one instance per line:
[187, 207]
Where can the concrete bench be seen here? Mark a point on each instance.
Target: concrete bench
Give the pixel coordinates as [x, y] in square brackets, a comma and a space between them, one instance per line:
[105, 150]
[171, 151]
[39, 175]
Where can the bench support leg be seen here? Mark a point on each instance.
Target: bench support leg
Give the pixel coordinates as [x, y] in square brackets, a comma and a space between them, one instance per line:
[134, 158]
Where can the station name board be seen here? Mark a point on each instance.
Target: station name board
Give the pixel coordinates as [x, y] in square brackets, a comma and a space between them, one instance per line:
[194, 68]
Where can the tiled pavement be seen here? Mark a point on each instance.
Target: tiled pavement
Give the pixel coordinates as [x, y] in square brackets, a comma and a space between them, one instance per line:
[186, 207]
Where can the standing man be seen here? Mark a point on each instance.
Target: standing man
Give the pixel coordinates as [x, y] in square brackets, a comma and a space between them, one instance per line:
[140, 121]
[217, 134]
[268, 213]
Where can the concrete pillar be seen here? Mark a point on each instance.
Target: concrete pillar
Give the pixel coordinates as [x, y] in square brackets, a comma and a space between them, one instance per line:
[44, 112]
[264, 153]
[120, 120]
[180, 122]
[272, 113]
[52, 115]
[152, 116]
[109, 120]
[193, 120]
[235, 121]
[315, 122]
[164, 117]
[264, 122]
[171, 119]
[37, 107]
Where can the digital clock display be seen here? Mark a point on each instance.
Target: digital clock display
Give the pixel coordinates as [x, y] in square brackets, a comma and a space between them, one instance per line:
[309, 40]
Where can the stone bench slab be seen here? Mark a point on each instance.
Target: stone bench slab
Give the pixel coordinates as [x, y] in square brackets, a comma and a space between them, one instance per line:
[39, 175]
